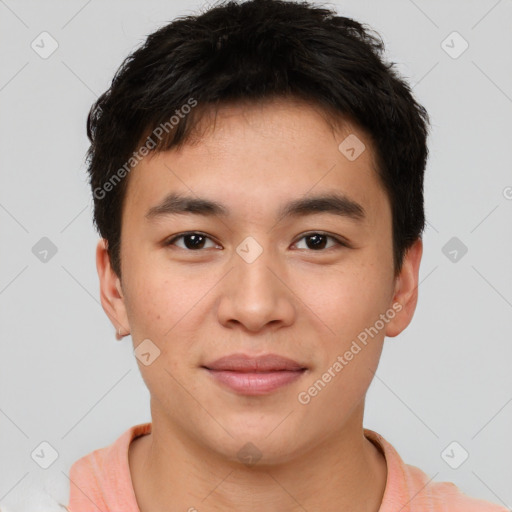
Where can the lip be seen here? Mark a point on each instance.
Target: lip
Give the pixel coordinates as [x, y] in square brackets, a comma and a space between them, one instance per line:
[255, 375]
[255, 383]
[246, 363]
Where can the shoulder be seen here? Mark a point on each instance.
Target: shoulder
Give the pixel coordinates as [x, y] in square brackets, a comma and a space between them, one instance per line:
[103, 475]
[410, 489]
[446, 495]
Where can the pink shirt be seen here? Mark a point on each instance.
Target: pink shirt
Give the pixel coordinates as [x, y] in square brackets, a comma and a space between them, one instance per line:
[102, 478]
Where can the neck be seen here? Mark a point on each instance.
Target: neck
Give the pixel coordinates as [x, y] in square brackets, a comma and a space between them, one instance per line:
[172, 472]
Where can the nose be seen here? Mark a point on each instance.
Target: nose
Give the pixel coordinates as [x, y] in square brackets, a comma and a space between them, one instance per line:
[256, 295]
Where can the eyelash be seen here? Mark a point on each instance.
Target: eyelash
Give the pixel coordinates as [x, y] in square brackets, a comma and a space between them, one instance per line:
[339, 242]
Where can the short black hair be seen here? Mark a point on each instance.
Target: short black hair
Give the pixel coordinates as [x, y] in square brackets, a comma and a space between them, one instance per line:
[248, 52]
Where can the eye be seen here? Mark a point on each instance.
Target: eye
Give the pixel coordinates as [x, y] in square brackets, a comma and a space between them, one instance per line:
[195, 241]
[317, 241]
[192, 241]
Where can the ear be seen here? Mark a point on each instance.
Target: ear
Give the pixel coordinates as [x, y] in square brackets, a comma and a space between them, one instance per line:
[406, 290]
[111, 293]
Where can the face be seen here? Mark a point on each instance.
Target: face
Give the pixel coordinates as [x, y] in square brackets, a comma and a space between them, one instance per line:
[265, 269]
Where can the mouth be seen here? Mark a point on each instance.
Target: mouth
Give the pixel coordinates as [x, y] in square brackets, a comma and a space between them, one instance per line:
[246, 363]
[255, 383]
[249, 375]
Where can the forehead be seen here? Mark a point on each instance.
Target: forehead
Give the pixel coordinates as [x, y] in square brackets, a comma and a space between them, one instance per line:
[255, 157]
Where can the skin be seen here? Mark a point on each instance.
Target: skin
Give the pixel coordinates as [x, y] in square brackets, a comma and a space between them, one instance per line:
[294, 300]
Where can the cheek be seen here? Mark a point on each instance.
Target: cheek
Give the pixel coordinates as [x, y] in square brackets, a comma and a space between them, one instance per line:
[351, 305]
[350, 302]
[147, 306]
[167, 306]
[160, 311]
[345, 298]
[156, 294]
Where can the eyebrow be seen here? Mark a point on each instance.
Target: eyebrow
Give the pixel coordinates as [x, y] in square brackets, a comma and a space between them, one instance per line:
[337, 204]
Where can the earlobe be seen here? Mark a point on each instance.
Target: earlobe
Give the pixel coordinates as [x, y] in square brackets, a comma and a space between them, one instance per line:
[406, 290]
[111, 296]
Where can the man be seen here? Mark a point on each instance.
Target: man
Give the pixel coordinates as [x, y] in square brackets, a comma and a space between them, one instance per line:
[257, 174]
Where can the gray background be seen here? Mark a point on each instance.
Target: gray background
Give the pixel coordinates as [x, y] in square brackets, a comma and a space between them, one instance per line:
[65, 380]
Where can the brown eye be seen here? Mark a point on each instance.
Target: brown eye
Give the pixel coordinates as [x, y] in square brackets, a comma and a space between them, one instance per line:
[318, 241]
[191, 241]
